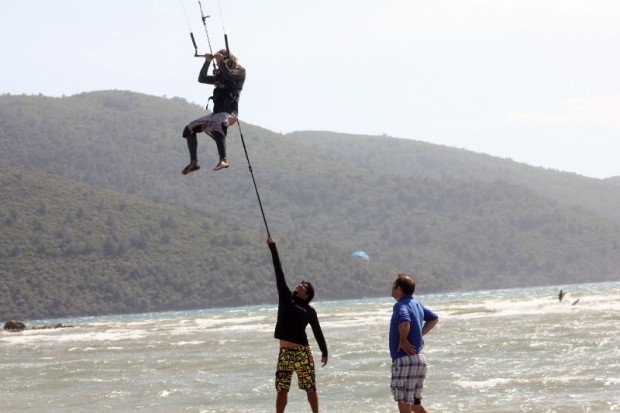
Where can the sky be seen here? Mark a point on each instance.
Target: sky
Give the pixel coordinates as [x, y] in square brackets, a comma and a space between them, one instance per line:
[536, 81]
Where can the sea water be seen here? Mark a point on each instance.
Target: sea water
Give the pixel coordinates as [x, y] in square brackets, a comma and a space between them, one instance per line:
[517, 350]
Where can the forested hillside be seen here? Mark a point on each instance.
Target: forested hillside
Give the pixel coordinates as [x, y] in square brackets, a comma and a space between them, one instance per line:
[97, 208]
[613, 180]
[67, 249]
[416, 158]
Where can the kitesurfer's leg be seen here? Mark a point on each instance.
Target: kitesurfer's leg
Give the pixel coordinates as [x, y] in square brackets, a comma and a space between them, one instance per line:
[220, 141]
[192, 145]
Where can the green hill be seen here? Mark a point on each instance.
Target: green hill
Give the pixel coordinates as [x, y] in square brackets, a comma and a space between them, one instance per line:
[67, 249]
[416, 158]
[454, 229]
[615, 180]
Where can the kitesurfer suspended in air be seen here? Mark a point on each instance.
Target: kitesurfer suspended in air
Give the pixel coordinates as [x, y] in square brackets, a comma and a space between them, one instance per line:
[228, 79]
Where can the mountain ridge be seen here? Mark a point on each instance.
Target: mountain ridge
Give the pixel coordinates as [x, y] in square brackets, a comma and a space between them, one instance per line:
[452, 230]
[424, 159]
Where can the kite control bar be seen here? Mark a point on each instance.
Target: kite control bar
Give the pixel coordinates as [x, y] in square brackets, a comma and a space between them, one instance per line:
[195, 46]
[204, 23]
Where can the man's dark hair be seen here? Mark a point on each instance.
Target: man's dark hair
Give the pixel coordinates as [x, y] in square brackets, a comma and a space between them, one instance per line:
[309, 290]
[406, 283]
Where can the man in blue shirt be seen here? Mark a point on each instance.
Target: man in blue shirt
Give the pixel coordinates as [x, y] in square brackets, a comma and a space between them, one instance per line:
[410, 321]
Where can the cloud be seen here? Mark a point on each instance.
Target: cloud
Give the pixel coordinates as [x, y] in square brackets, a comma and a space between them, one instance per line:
[594, 112]
[481, 18]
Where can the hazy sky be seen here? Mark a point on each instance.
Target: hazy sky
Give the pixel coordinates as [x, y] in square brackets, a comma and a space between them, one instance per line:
[537, 81]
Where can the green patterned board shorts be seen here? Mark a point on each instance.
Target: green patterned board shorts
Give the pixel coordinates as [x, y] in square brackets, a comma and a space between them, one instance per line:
[297, 359]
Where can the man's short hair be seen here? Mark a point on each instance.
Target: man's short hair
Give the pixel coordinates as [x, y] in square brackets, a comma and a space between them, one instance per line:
[309, 290]
[406, 283]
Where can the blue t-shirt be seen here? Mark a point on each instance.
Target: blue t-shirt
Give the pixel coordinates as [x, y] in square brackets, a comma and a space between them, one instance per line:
[408, 309]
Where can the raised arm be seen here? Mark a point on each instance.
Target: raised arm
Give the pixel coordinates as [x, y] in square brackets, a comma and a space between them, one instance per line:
[283, 290]
[203, 76]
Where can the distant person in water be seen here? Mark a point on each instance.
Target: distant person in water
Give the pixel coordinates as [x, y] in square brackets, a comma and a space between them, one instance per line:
[294, 314]
[561, 295]
[228, 79]
[410, 321]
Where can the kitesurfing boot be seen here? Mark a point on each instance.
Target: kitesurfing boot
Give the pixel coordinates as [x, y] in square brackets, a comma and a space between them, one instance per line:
[193, 166]
[223, 163]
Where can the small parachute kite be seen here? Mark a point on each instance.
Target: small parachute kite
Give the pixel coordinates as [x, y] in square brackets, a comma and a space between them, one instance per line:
[361, 255]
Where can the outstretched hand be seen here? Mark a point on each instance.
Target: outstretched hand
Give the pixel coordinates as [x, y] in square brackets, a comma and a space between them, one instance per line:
[270, 241]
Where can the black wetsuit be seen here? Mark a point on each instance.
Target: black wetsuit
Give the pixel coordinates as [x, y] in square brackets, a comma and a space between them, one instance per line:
[228, 85]
[294, 314]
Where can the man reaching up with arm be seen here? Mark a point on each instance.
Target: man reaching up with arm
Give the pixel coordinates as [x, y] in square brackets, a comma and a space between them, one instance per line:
[294, 314]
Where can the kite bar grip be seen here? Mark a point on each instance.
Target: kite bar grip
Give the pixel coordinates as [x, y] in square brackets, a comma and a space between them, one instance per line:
[195, 46]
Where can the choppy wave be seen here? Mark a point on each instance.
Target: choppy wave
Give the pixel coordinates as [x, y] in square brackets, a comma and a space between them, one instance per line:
[493, 351]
